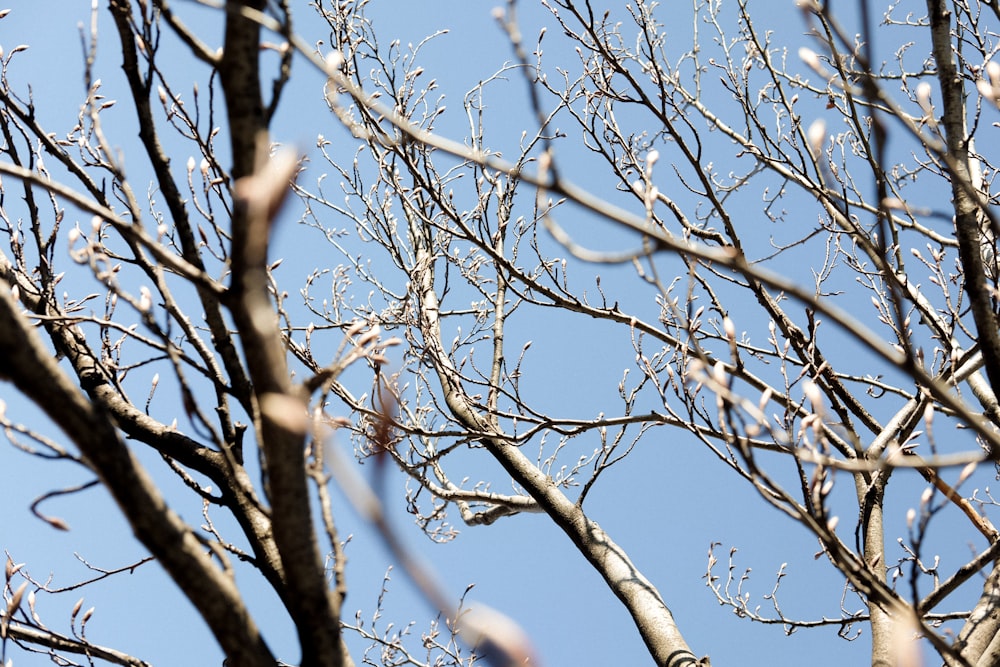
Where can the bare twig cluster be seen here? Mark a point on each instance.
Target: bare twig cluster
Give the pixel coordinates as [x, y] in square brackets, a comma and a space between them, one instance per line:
[782, 247]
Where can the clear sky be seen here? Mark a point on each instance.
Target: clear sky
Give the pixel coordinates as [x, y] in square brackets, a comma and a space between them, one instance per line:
[666, 504]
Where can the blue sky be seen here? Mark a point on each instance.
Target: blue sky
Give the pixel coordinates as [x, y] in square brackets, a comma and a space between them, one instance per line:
[665, 504]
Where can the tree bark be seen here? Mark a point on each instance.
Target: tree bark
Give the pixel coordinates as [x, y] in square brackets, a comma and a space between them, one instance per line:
[26, 362]
[643, 601]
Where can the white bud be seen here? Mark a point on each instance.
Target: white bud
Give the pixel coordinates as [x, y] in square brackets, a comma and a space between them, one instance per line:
[334, 61]
[817, 136]
[145, 299]
[719, 373]
[985, 89]
[814, 395]
[966, 472]
[729, 328]
[764, 398]
[993, 71]
[810, 58]
[924, 96]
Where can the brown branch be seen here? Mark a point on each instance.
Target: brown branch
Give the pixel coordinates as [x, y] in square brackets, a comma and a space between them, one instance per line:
[32, 368]
[140, 88]
[281, 408]
[281, 422]
[58, 642]
[967, 210]
[646, 606]
[281, 418]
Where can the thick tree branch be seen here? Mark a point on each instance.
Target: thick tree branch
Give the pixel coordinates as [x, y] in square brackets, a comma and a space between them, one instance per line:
[649, 612]
[979, 634]
[281, 408]
[63, 644]
[25, 362]
[968, 210]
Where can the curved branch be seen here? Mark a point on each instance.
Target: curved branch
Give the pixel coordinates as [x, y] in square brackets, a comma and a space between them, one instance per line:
[25, 362]
[654, 620]
[58, 642]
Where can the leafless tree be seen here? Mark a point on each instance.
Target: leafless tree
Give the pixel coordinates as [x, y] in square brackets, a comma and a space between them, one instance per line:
[783, 245]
